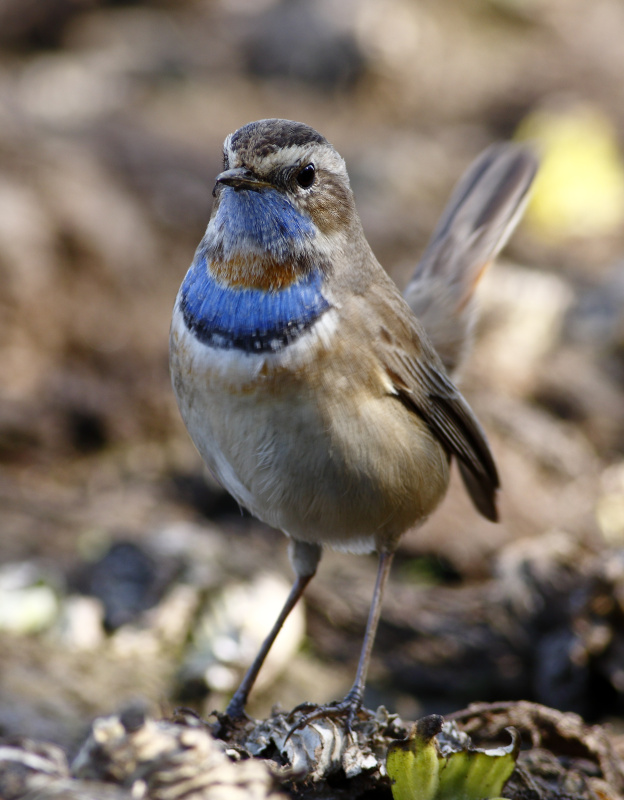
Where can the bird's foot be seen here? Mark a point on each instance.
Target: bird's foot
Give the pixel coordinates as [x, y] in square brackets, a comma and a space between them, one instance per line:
[347, 709]
[233, 719]
[236, 708]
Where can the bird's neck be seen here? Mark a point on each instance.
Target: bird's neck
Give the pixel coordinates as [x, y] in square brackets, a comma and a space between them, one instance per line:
[258, 240]
[257, 278]
[249, 319]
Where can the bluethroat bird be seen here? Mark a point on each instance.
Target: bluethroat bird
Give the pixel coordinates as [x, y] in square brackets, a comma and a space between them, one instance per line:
[316, 393]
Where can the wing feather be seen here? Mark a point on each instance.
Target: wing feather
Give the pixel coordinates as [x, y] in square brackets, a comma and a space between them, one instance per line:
[422, 386]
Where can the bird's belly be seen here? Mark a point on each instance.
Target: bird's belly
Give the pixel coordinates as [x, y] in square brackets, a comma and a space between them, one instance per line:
[344, 465]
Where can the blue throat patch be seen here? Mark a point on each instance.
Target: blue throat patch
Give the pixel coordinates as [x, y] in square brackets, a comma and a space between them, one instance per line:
[262, 220]
[251, 320]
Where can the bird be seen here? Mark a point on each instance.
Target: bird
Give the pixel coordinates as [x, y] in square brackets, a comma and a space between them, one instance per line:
[315, 392]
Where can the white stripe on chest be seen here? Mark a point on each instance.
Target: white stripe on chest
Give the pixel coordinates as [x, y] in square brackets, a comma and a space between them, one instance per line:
[234, 368]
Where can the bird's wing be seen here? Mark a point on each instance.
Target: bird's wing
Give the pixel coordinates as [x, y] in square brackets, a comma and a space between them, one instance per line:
[421, 384]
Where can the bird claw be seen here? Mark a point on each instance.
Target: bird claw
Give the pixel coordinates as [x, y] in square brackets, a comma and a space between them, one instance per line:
[236, 709]
[347, 709]
[229, 724]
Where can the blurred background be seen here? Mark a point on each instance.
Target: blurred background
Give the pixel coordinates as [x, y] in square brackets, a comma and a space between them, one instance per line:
[125, 573]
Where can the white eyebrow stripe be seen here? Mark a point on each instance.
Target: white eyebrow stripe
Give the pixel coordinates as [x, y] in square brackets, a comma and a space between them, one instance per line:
[322, 155]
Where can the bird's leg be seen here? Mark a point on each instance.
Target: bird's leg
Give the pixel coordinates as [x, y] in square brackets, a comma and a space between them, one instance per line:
[350, 705]
[304, 558]
[357, 690]
[236, 706]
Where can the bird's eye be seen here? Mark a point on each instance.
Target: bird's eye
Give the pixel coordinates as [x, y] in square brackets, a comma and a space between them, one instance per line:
[305, 176]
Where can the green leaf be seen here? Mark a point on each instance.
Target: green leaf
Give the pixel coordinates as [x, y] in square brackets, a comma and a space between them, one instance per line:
[436, 762]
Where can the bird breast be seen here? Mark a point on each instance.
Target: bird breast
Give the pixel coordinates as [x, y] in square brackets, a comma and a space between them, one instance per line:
[311, 439]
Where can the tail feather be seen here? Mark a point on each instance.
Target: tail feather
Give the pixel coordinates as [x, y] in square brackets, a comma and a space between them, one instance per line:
[482, 213]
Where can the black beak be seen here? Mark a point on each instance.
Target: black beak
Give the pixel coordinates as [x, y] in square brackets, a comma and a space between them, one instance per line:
[239, 178]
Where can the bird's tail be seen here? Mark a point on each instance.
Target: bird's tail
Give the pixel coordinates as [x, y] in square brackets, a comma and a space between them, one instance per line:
[479, 218]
